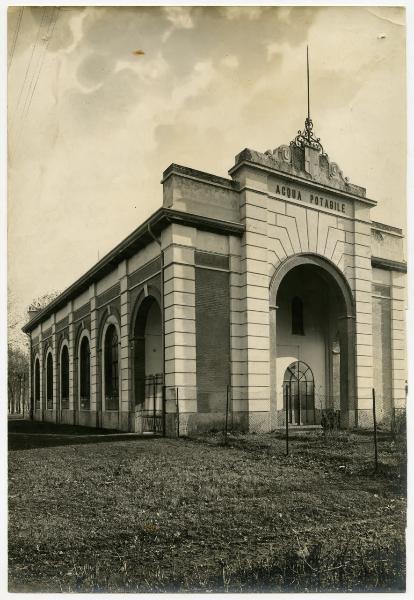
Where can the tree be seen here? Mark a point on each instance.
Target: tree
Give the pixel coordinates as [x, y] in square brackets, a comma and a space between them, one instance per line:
[42, 301]
[18, 383]
[18, 351]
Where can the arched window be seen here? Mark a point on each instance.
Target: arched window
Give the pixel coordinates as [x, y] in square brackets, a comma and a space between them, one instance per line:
[64, 377]
[37, 383]
[85, 374]
[299, 394]
[49, 381]
[111, 369]
[297, 316]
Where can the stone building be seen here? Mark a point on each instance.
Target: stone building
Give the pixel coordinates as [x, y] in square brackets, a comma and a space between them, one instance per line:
[271, 292]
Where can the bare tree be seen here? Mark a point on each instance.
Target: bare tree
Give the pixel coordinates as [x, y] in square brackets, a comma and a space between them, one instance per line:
[18, 368]
[18, 351]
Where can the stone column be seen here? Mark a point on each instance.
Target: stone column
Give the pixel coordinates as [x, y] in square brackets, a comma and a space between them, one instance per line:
[276, 391]
[398, 341]
[255, 301]
[362, 289]
[95, 403]
[178, 243]
[125, 408]
[56, 366]
[39, 410]
[346, 329]
[238, 375]
[72, 365]
[30, 386]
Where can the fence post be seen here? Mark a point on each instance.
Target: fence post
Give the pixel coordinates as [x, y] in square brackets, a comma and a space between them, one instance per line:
[163, 411]
[287, 420]
[393, 426]
[177, 412]
[375, 429]
[226, 423]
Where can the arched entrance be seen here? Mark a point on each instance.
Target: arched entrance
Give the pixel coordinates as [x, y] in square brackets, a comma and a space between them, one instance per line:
[312, 327]
[148, 366]
[299, 394]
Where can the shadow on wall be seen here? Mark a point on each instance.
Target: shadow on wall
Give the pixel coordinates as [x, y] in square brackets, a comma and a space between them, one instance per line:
[26, 435]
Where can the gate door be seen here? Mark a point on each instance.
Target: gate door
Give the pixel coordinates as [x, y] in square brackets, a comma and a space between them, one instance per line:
[153, 409]
[299, 393]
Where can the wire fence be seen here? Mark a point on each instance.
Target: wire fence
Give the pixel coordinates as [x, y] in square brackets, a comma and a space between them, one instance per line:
[230, 412]
[228, 409]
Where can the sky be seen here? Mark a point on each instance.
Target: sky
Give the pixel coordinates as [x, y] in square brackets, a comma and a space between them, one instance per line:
[101, 100]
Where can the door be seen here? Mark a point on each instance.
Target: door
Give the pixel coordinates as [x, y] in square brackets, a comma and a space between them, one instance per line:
[299, 394]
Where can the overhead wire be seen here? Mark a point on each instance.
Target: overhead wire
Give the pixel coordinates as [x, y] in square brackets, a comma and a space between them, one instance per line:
[16, 35]
[49, 34]
[15, 115]
[50, 26]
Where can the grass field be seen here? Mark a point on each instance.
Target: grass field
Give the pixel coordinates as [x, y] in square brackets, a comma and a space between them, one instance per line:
[106, 512]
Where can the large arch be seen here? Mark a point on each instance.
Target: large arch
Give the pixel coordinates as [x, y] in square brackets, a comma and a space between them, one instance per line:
[341, 297]
[147, 359]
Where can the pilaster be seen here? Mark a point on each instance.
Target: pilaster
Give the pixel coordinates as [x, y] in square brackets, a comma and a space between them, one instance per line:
[178, 244]
[361, 285]
[255, 303]
[72, 352]
[398, 340]
[40, 409]
[56, 366]
[126, 392]
[94, 382]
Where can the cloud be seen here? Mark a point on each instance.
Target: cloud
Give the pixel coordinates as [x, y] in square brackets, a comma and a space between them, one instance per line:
[231, 61]
[94, 69]
[104, 123]
[93, 111]
[179, 16]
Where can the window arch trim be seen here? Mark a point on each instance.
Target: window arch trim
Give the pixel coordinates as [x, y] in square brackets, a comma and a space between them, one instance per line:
[110, 320]
[64, 344]
[49, 405]
[84, 334]
[36, 382]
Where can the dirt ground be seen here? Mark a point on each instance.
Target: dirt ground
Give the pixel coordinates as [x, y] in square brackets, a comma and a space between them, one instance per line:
[102, 511]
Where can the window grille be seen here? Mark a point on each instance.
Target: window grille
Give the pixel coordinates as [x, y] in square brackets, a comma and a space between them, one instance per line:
[64, 374]
[49, 382]
[111, 369]
[85, 375]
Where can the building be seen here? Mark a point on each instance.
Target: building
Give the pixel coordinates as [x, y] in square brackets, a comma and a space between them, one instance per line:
[272, 290]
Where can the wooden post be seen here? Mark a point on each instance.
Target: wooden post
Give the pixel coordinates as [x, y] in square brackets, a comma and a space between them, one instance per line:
[375, 429]
[177, 412]
[227, 416]
[163, 401]
[287, 420]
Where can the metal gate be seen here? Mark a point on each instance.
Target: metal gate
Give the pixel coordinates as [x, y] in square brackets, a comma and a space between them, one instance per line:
[153, 412]
[299, 394]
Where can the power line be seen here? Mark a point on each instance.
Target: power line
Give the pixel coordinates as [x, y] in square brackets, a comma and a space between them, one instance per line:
[28, 67]
[49, 34]
[16, 34]
[54, 14]
[38, 61]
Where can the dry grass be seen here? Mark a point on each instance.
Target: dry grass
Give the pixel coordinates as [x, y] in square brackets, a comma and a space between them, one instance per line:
[130, 514]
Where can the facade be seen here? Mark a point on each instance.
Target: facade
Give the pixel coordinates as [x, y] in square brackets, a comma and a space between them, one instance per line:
[272, 290]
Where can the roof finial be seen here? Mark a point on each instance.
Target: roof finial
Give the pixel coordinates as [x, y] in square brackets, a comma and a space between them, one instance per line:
[306, 137]
[307, 69]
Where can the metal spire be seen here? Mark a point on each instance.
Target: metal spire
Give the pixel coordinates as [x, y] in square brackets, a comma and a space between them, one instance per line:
[307, 71]
[306, 137]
